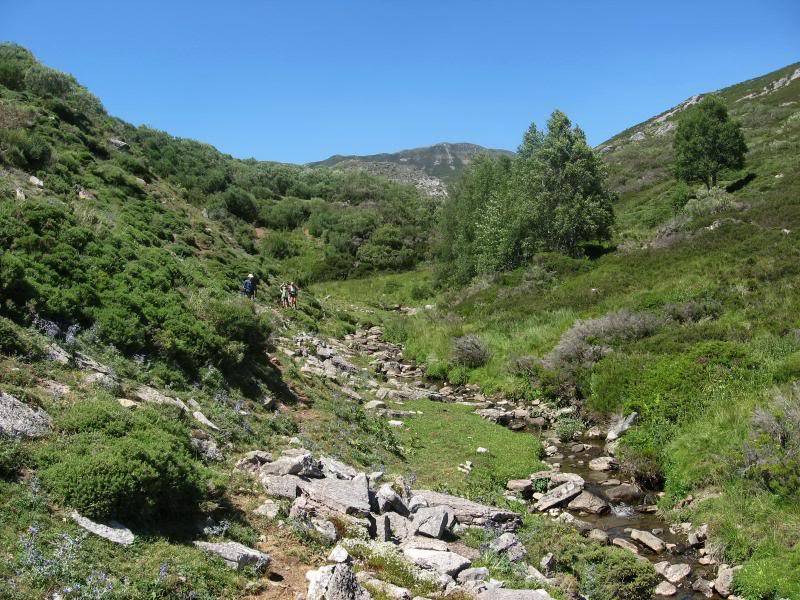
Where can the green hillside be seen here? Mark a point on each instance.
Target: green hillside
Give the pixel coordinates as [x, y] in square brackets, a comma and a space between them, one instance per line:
[135, 379]
[691, 321]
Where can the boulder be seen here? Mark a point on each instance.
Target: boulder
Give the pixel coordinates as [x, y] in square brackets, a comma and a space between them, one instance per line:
[559, 495]
[523, 487]
[621, 426]
[665, 588]
[604, 463]
[588, 502]
[507, 594]
[335, 582]
[627, 545]
[431, 521]
[339, 555]
[282, 486]
[703, 586]
[145, 393]
[390, 501]
[397, 527]
[599, 536]
[673, 573]
[253, 461]
[469, 513]
[339, 496]
[629, 493]
[374, 405]
[325, 529]
[236, 555]
[203, 420]
[17, 419]
[448, 563]
[655, 543]
[723, 584]
[113, 531]
[473, 574]
[510, 546]
[268, 509]
[36, 181]
[384, 588]
[336, 468]
[293, 461]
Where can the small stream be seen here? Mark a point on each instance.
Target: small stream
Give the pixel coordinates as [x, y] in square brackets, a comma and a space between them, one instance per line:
[618, 521]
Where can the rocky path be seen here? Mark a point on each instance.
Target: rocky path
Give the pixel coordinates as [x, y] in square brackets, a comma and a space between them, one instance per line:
[581, 486]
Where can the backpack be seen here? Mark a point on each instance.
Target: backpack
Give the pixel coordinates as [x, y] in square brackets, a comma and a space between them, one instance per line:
[248, 286]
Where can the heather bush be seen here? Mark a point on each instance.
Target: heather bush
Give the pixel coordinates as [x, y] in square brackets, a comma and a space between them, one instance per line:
[773, 449]
[12, 457]
[470, 351]
[113, 464]
[567, 427]
[587, 341]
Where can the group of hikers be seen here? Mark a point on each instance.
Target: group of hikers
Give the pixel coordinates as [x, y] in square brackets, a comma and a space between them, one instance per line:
[289, 291]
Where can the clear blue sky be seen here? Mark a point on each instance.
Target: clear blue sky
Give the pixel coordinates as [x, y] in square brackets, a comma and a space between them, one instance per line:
[297, 81]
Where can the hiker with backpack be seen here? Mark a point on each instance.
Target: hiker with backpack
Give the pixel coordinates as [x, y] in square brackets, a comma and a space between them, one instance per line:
[249, 287]
[284, 295]
[293, 291]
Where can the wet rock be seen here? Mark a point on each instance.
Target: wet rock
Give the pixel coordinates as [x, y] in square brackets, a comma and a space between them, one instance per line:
[335, 582]
[448, 563]
[588, 502]
[598, 535]
[510, 546]
[673, 573]
[723, 584]
[703, 586]
[113, 531]
[18, 419]
[653, 542]
[621, 426]
[236, 555]
[559, 495]
[623, 543]
[604, 463]
[665, 588]
[628, 493]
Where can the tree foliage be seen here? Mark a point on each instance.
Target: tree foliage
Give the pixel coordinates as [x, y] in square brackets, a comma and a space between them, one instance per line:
[552, 196]
[707, 142]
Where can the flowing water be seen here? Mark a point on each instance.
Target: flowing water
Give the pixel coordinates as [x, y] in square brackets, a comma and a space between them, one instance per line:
[619, 521]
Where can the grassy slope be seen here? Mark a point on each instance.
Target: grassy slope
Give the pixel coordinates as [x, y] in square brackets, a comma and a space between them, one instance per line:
[696, 383]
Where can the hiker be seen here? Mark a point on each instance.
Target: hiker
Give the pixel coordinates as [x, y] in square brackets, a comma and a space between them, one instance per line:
[284, 295]
[293, 294]
[249, 287]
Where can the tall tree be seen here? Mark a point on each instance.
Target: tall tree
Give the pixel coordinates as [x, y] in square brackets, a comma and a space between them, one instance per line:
[562, 191]
[707, 142]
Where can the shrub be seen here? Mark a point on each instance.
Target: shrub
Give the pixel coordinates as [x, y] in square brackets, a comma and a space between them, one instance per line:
[24, 150]
[44, 81]
[788, 369]
[470, 351]
[773, 450]
[567, 427]
[144, 472]
[585, 342]
[680, 195]
[709, 202]
[15, 340]
[12, 458]
[611, 574]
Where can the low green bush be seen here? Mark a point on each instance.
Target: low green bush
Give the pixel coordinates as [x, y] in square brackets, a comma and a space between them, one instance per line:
[12, 457]
[15, 340]
[567, 427]
[131, 466]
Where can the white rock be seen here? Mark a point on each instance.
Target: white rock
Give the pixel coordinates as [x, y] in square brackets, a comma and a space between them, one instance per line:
[449, 563]
[665, 588]
[113, 531]
[17, 419]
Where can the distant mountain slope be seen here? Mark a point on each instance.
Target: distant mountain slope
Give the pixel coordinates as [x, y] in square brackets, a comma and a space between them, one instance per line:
[639, 158]
[429, 168]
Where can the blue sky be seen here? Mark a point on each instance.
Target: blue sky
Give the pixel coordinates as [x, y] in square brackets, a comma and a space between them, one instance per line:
[298, 81]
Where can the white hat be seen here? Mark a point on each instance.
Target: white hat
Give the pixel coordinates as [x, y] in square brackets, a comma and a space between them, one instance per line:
[249, 275]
